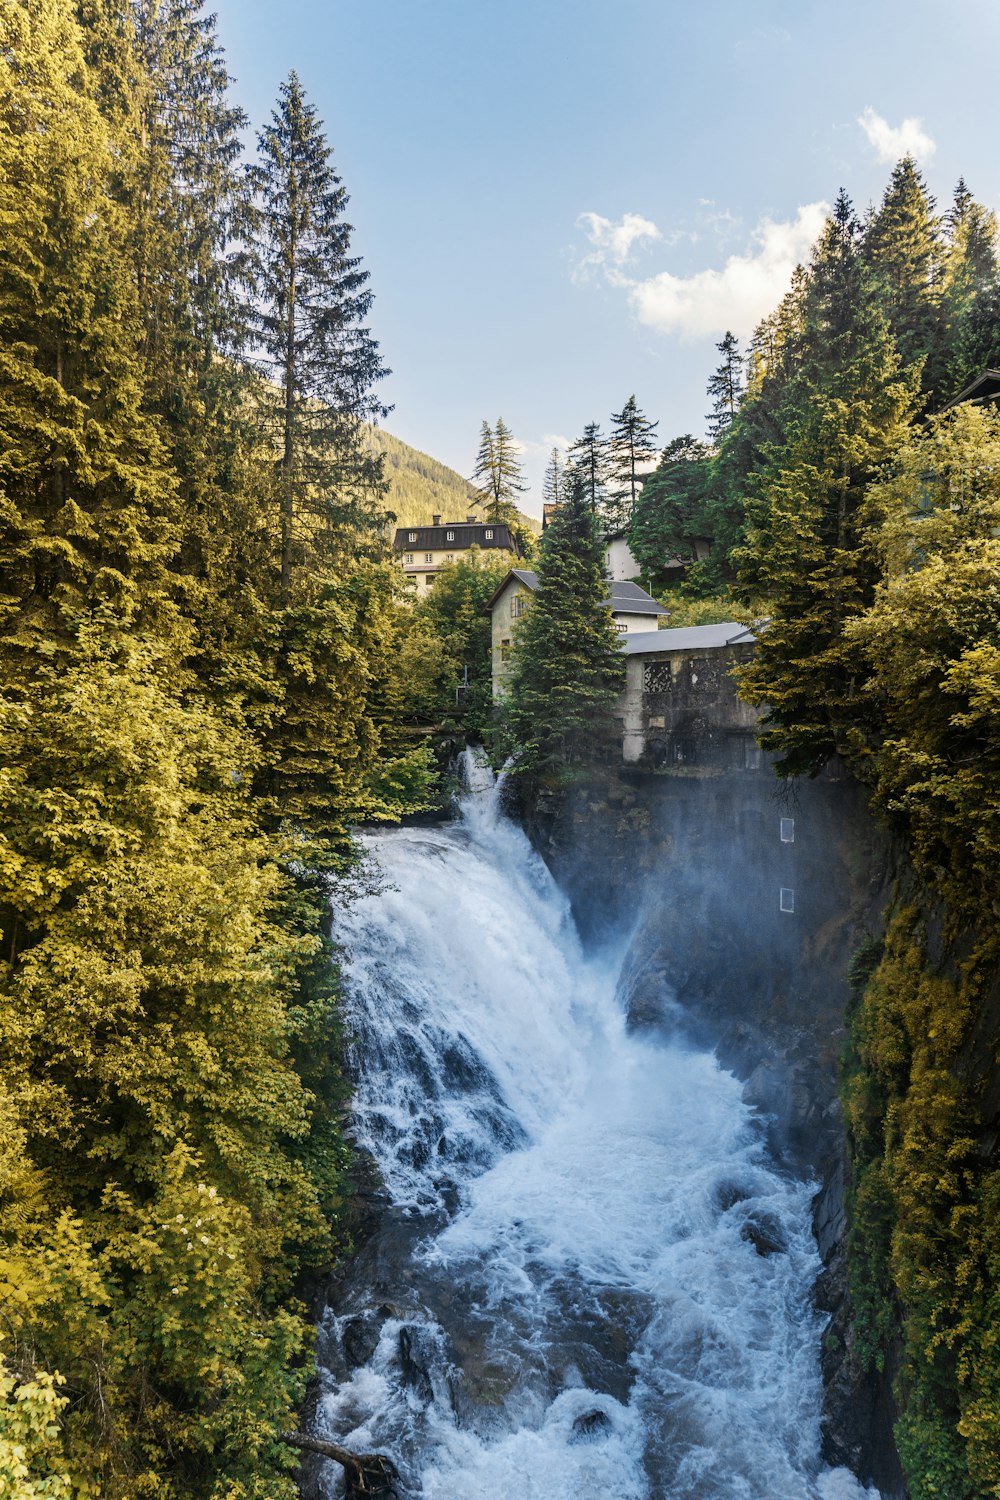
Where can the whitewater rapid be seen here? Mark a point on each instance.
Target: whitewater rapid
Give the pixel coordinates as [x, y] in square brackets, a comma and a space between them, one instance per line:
[588, 1280]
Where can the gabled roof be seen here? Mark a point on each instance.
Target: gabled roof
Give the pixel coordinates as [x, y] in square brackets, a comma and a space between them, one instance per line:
[465, 534]
[689, 638]
[624, 598]
[523, 575]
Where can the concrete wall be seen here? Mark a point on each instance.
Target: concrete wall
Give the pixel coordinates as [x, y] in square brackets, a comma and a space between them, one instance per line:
[680, 712]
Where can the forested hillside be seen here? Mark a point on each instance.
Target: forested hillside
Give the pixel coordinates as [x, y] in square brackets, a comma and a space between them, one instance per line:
[420, 487]
[200, 691]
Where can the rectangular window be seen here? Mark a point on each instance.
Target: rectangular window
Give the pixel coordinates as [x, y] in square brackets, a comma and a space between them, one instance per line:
[489, 534]
[788, 830]
[621, 629]
[449, 536]
[413, 536]
[409, 557]
[450, 557]
[428, 557]
[517, 606]
[505, 650]
[786, 899]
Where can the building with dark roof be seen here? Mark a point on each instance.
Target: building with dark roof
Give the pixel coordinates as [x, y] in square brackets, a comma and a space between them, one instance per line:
[632, 609]
[423, 550]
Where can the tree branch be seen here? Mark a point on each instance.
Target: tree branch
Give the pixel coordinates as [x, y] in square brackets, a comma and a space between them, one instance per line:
[367, 1474]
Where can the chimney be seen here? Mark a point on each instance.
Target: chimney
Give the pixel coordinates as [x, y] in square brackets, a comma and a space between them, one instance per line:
[471, 520]
[435, 520]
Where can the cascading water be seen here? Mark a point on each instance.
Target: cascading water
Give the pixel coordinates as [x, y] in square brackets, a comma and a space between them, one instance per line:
[588, 1280]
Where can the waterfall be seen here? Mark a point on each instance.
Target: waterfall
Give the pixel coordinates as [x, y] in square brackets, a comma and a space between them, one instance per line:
[588, 1279]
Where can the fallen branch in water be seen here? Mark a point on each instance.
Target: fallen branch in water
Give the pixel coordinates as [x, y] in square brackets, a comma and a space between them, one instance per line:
[367, 1474]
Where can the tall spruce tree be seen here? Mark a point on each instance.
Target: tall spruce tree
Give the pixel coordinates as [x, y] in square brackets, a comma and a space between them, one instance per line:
[725, 388]
[314, 344]
[970, 292]
[631, 447]
[673, 510]
[568, 665]
[588, 458]
[902, 248]
[552, 484]
[809, 550]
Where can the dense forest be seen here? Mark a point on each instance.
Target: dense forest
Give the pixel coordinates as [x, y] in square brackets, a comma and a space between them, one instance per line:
[201, 690]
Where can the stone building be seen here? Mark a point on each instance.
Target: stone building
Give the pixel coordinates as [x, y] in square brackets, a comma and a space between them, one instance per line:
[679, 710]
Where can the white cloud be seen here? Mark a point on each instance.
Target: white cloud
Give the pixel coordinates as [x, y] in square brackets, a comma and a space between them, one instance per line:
[746, 288]
[893, 142]
[613, 244]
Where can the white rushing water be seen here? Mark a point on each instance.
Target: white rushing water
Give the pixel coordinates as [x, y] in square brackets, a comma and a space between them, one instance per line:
[568, 1296]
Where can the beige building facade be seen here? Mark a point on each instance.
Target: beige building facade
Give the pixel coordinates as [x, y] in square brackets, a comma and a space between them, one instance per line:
[633, 611]
[423, 550]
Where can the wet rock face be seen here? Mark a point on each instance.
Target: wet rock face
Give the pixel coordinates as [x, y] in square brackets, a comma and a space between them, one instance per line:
[696, 869]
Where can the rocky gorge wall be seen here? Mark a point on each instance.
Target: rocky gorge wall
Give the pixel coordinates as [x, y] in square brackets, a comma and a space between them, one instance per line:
[743, 899]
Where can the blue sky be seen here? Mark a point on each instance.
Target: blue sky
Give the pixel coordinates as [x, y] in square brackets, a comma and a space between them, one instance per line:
[564, 202]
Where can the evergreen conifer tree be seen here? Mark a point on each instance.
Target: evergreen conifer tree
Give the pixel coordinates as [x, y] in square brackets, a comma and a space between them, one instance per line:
[498, 474]
[902, 248]
[970, 290]
[88, 505]
[588, 458]
[568, 665]
[631, 446]
[809, 551]
[725, 387]
[673, 508]
[552, 485]
[312, 303]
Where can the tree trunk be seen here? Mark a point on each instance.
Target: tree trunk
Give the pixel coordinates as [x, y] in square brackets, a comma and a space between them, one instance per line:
[366, 1474]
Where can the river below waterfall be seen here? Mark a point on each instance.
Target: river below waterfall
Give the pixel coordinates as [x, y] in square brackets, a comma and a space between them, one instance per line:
[588, 1279]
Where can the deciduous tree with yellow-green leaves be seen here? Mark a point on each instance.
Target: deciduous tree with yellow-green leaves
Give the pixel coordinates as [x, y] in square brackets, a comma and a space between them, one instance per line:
[184, 744]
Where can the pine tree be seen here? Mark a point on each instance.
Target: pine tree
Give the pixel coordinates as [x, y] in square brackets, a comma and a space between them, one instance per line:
[588, 458]
[312, 303]
[902, 248]
[498, 475]
[725, 388]
[631, 447]
[810, 549]
[552, 485]
[568, 667]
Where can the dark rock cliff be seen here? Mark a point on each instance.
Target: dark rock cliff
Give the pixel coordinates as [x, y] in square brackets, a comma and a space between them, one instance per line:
[744, 899]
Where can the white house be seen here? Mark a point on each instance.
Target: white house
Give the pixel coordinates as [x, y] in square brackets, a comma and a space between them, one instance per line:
[632, 610]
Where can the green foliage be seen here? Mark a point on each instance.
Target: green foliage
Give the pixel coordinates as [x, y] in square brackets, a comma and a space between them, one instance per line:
[455, 618]
[674, 510]
[688, 609]
[808, 548]
[568, 667]
[630, 447]
[195, 704]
